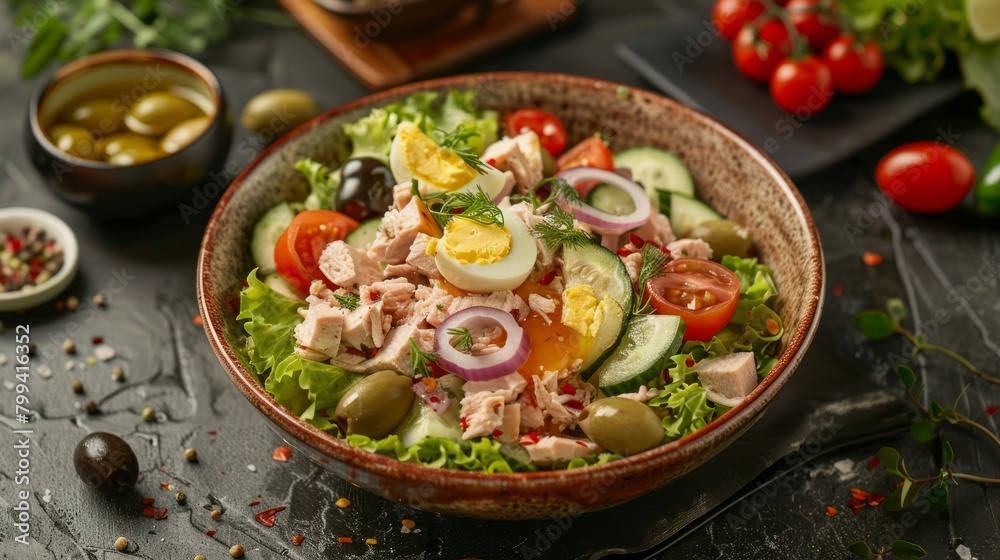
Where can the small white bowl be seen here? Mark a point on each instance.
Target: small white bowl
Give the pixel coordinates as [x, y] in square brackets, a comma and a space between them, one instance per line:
[18, 218]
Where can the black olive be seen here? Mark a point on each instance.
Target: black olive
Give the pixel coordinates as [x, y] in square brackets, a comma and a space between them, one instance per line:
[365, 188]
[105, 462]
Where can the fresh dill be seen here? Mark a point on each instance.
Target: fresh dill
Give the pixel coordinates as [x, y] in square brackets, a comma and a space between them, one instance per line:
[457, 142]
[349, 301]
[471, 206]
[654, 263]
[461, 338]
[557, 229]
[420, 361]
[554, 189]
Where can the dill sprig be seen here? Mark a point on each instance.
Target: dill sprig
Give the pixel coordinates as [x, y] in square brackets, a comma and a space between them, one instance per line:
[472, 206]
[457, 141]
[654, 263]
[558, 229]
[558, 190]
[349, 301]
[420, 361]
[461, 338]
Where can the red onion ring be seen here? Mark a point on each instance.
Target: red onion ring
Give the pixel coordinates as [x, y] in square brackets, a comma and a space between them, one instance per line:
[603, 222]
[511, 356]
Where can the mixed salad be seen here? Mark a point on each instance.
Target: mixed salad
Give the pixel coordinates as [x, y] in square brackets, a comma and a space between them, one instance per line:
[456, 299]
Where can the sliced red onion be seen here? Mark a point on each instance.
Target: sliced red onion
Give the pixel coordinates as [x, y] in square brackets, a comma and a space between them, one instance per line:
[511, 356]
[624, 172]
[603, 222]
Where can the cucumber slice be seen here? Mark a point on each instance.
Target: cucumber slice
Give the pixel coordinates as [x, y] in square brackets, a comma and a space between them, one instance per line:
[657, 170]
[605, 273]
[266, 233]
[422, 421]
[363, 236]
[686, 212]
[612, 200]
[649, 341]
[278, 284]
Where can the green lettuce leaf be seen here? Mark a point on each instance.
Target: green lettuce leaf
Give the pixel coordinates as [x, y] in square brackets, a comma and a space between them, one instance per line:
[270, 320]
[756, 285]
[371, 136]
[687, 409]
[981, 69]
[323, 181]
[480, 455]
[461, 108]
[757, 338]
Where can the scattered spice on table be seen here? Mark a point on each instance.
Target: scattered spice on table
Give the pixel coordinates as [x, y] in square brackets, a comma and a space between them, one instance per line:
[346, 540]
[200, 557]
[148, 414]
[252, 467]
[236, 551]
[343, 503]
[28, 258]
[190, 455]
[91, 361]
[211, 532]
[43, 371]
[838, 290]
[216, 514]
[166, 486]
[118, 374]
[873, 463]
[77, 387]
[266, 517]
[282, 454]
[872, 259]
[95, 340]
[69, 346]
[72, 303]
[861, 498]
[196, 320]
[121, 543]
[99, 300]
[254, 503]
[181, 497]
[991, 410]
[372, 542]
[90, 407]
[104, 353]
[408, 525]
[831, 511]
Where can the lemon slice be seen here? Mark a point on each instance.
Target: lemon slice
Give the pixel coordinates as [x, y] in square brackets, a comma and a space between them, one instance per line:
[984, 19]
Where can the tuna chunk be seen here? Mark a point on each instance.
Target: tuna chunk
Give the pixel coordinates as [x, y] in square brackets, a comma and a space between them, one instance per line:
[695, 248]
[509, 427]
[364, 328]
[643, 395]
[348, 267]
[396, 233]
[550, 407]
[633, 264]
[321, 330]
[519, 158]
[430, 307]
[481, 414]
[396, 296]
[545, 256]
[728, 379]
[506, 301]
[401, 195]
[420, 260]
[553, 449]
[407, 272]
[531, 415]
[542, 305]
[508, 386]
[394, 354]
[657, 229]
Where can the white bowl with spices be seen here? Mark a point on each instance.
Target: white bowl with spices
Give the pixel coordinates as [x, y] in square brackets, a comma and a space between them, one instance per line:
[39, 256]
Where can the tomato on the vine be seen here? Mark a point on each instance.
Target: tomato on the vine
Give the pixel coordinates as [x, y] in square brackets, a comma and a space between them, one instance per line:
[925, 177]
[803, 87]
[703, 293]
[729, 16]
[856, 66]
[551, 132]
[758, 50]
[815, 20]
[590, 153]
[297, 253]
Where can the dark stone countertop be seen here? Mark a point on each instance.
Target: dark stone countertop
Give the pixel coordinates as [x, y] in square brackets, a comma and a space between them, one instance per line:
[931, 262]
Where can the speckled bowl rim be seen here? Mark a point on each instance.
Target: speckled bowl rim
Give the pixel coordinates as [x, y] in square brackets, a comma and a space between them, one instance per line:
[737, 418]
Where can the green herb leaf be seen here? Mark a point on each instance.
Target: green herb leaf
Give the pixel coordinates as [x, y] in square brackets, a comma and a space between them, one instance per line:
[557, 229]
[889, 459]
[654, 264]
[874, 324]
[861, 550]
[457, 142]
[906, 550]
[937, 496]
[472, 206]
[420, 361]
[949, 454]
[906, 375]
[461, 338]
[349, 301]
[903, 497]
[923, 430]
[559, 192]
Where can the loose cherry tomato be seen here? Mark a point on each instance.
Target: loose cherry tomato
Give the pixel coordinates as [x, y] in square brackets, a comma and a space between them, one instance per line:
[729, 16]
[550, 131]
[703, 293]
[590, 153]
[856, 66]
[803, 86]
[925, 177]
[814, 20]
[299, 248]
[757, 51]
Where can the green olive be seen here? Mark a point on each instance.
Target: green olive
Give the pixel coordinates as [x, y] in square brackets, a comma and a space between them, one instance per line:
[184, 133]
[75, 141]
[132, 156]
[96, 115]
[278, 110]
[126, 140]
[375, 405]
[726, 238]
[157, 112]
[621, 425]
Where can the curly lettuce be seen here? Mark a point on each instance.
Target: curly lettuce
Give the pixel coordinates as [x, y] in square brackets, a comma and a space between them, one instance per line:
[686, 409]
[323, 184]
[479, 455]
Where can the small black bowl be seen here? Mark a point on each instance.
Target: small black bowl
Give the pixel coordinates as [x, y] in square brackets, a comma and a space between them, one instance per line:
[106, 191]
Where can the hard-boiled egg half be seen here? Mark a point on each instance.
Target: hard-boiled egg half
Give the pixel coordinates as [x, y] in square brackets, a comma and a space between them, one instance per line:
[485, 258]
[414, 155]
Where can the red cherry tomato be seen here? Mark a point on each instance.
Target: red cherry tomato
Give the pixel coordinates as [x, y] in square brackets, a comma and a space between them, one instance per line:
[757, 51]
[803, 87]
[925, 177]
[814, 20]
[703, 293]
[551, 132]
[590, 153]
[856, 66]
[299, 248]
[729, 16]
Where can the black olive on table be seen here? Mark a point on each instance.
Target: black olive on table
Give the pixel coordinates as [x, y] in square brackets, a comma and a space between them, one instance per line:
[105, 462]
[365, 188]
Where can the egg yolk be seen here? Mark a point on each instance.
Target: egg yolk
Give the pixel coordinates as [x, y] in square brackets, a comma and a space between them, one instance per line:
[470, 242]
[554, 346]
[581, 310]
[432, 164]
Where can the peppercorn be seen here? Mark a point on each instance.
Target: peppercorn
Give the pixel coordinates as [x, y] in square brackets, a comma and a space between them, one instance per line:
[100, 300]
[181, 497]
[90, 407]
[118, 374]
[148, 415]
[121, 543]
[72, 302]
[69, 347]
[77, 387]
[190, 455]
[343, 503]
[236, 551]
[200, 557]
[216, 514]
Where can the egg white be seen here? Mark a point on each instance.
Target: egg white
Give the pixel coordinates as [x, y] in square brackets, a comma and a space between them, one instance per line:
[506, 274]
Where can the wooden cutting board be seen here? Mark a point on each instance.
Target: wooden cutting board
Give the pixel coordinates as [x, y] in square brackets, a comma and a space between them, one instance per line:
[383, 63]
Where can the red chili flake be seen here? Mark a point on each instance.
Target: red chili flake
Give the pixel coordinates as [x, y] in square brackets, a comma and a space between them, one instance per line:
[212, 432]
[548, 278]
[223, 472]
[837, 290]
[664, 249]
[159, 513]
[772, 326]
[515, 315]
[636, 240]
[568, 389]
[875, 500]
[496, 407]
[166, 486]
[211, 532]
[581, 444]
[497, 432]
[624, 252]
[196, 320]
[574, 404]
[345, 540]
[465, 423]
[371, 353]
[324, 414]
[97, 340]
[148, 501]
[253, 503]
[872, 259]
[860, 494]
[991, 410]
[831, 511]
[874, 462]
[148, 511]
[282, 454]
[266, 518]
[689, 362]
[529, 438]
[492, 161]
[259, 496]
[297, 540]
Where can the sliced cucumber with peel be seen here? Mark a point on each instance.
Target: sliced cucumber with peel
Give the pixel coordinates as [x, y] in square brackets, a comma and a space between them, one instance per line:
[657, 170]
[686, 212]
[278, 284]
[265, 236]
[610, 199]
[363, 236]
[648, 344]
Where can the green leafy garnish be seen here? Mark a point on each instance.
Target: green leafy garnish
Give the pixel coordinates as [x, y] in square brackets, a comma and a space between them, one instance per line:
[558, 229]
[472, 206]
[904, 550]
[461, 338]
[323, 182]
[457, 142]
[688, 409]
[420, 361]
[559, 191]
[479, 455]
[654, 263]
[348, 301]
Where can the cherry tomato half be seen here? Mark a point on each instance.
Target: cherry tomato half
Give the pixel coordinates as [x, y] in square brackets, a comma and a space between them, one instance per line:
[925, 177]
[856, 66]
[590, 153]
[758, 50]
[703, 293]
[551, 132]
[729, 16]
[803, 87]
[299, 248]
[815, 20]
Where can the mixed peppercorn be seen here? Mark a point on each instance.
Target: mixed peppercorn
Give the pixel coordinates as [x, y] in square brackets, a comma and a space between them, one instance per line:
[27, 258]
